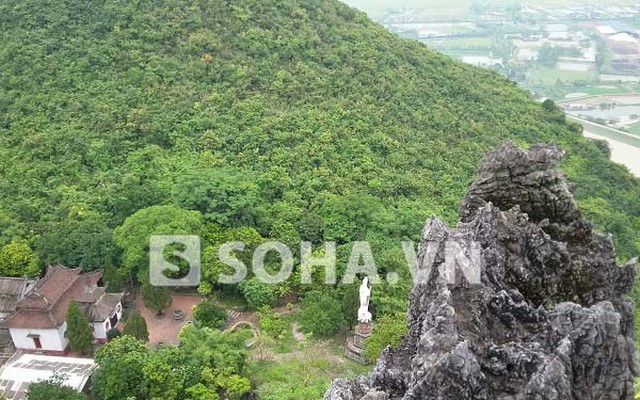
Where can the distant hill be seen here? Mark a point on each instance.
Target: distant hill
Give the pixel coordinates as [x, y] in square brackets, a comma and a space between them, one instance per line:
[310, 121]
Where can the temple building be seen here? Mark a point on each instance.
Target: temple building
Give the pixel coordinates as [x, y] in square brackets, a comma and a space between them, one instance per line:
[38, 322]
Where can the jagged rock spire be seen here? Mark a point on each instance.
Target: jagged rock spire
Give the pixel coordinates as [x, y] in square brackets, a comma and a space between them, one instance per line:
[549, 318]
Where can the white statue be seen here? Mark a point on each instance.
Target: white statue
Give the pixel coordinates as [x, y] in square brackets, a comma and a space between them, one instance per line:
[364, 316]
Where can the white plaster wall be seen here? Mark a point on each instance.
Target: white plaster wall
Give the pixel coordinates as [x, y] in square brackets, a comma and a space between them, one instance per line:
[100, 329]
[51, 339]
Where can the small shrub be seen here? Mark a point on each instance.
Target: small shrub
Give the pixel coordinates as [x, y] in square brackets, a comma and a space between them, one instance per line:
[273, 324]
[387, 331]
[113, 333]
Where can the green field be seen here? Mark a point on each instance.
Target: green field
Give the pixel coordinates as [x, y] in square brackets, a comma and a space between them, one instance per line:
[549, 76]
[473, 42]
[635, 128]
[559, 93]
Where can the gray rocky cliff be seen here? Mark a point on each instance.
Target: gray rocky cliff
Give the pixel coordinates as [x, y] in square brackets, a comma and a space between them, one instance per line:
[549, 318]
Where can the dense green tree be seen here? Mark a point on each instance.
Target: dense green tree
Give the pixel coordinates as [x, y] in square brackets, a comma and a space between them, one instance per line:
[120, 374]
[321, 313]
[224, 196]
[134, 234]
[212, 267]
[86, 243]
[17, 259]
[53, 388]
[350, 218]
[162, 377]
[156, 298]
[257, 293]
[208, 364]
[232, 385]
[222, 356]
[136, 326]
[215, 348]
[210, 315]
[79, 330]
[10, 228]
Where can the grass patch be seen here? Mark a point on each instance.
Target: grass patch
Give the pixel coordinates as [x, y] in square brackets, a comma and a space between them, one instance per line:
[635, 128]
[286, 344]
[303, 375]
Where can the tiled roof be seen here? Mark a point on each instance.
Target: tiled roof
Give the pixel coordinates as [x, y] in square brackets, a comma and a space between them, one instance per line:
[14, 286]
[46, 306]
[12, 290]
[102, 309]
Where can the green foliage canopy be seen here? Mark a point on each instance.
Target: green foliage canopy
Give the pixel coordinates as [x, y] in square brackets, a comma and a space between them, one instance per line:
[208, 314]
[53, 388]
[136, 326]
[134, 234]
[79, 330]
[277, 114]
[18, 259]
[322, 313]
[156, 298]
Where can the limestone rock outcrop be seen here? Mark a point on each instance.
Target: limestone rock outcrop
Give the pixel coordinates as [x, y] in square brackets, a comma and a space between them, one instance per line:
[549, 316]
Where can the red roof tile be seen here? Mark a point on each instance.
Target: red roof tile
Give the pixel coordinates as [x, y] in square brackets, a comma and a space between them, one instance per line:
[46, 306]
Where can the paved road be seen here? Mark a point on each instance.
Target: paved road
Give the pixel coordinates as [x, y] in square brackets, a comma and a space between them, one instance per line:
[625, 147]
[621, 153]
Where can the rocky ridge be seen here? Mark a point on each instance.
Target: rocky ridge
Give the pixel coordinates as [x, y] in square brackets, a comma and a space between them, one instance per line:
[550, 317]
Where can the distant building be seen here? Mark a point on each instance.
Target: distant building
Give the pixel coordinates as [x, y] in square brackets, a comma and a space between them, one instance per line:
[481, 61]
[24, 369]
[38, 322]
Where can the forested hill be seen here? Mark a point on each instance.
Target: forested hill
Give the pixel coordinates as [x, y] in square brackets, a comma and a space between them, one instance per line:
[299, 118]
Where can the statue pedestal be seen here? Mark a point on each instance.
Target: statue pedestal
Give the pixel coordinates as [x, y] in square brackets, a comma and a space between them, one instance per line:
[355, 343]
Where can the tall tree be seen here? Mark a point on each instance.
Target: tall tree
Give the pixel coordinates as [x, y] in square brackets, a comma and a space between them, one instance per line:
[120, 375]
[156, 298]
[350, 304]
[226, 197]
[136, 326]
[86, 243]
[79, 331]
[17, 259]
[133, 235]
